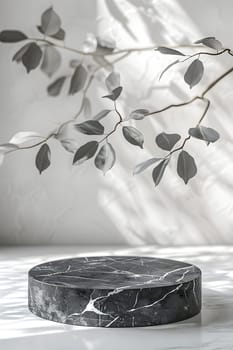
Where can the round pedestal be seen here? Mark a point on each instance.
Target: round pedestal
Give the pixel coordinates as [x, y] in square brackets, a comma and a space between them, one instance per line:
[115, 291]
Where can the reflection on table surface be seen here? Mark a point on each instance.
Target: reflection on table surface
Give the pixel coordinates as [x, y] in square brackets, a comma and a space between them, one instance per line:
[210, 330]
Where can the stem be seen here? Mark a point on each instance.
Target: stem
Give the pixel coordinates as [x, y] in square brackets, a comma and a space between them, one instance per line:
[179, 148]
[205, 110]
[202, 97]
[206, 53]
[174, 105]
[110, 53]
[216, 81]
[116, 110]
[111, 132]
[116, 125]
[91, 78]
[198, 97]
[39, 143]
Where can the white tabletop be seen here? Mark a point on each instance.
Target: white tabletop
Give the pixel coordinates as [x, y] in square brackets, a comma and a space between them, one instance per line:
[212, 329]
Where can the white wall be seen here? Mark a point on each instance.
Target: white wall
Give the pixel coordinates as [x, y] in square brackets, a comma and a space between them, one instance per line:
[77, 204]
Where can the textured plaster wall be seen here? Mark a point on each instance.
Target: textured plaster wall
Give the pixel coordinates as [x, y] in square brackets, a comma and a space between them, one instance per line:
[77, 204]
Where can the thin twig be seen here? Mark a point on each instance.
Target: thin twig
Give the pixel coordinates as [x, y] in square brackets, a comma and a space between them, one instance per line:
[205, 110]
[115, 126]
[206, 53]
[38, 143]
[110, 53]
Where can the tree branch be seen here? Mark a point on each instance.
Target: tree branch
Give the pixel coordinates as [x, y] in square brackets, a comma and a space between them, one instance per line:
[110, 53]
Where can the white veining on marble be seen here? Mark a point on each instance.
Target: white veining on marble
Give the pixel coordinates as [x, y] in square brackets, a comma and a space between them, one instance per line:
[212, 330]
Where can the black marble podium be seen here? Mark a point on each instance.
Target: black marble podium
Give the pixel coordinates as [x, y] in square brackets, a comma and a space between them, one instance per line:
[115, 291]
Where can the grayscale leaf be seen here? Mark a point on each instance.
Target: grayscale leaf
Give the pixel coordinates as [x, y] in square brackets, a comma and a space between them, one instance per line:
[90, 43]
[194, 73]
[138, 114]
[50, 22]
[159, 170]
[85, 152]
[144, 165]
[102, 61]
[70, 145]
[51, 60]
[102, 114]
[168, 67]
[105, 158]
[168, 51]
[75, 63]
[186, 167]
[211, 42]
[31, 57]
[167, 141]
[8, 147]
[86, 107]
[112, 81]
[133, 136]
[43, 158]
[115, 94]
[54, 88]
[204, 133]
[26, 138]
[78, 79]
[90, 127]
[19, 54]
[12, 36]
[60, 35]
[105, 44]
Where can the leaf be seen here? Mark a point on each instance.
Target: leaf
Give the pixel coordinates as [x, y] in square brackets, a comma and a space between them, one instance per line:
[204, 133]
[102, 61]
[211, 42]
[75, 63]
[167, 141]
[70, 145]
[8, 147]
[102, 114]
[112, 81]
[43, 158]
[12, 36]
[133, 136]
[54, 89]
[22, 137]
[90, 127]
[60, 35]
[105, 158]
[168, 67]
[78, 79]
[31, 58]
[194, 73]
[144, 165]
[115, 94]
[138, 114]
[158, 171]
[90, 43]
[50, 22]
[51, 60]
[186, 167]
[168, 51]
[85, 152]
[86, 107]
[105, 44]
[19, 54]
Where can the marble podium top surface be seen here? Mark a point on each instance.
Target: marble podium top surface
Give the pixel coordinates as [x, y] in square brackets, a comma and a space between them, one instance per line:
[114, 272]
[212, 330]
